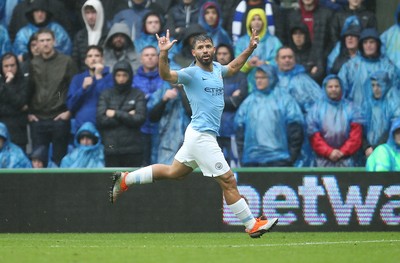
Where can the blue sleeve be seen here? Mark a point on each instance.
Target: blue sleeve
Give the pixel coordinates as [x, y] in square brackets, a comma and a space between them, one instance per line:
[332, 57]
[312, 120]
[185, 75]
[239, 121]
[306, 91]
[21, 40]
[343, 73]
[102, 84]
[5, 44]
[156, 96]
[293, 111]
[66, 162]
[357, 115]
[75, 94]
[18, 158]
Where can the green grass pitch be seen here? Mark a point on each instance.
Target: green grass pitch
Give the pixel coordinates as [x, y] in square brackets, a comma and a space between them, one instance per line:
[336, 247]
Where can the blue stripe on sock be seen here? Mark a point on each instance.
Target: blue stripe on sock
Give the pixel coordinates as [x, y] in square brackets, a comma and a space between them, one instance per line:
[247, 219]
[137, 180]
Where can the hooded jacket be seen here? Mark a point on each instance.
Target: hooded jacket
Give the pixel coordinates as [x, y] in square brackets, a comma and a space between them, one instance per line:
[216, 32]
[89, 36]
[267, 47]
[334, 124]
[270, 124]
[11, 156]
[145, 39]
[129, 52]
[340, 54]
[41, 154]
[13, 98]
[63, 42]
[386, 157]
[82, 156]
[121, 133]
[305, 55]
[19, 19]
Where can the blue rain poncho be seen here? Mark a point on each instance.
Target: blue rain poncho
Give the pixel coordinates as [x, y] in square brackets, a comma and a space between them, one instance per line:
[62, 41]
[171, 126]
[356, 71]
[11, 156]
[301, 86]
[5, 43]
[85, 156]
[333, 119]
[264, 117]
[391, 40]
[379, 113]
[386, 157]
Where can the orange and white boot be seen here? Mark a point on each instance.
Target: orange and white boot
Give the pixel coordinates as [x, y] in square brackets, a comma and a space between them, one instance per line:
[118, 185]
[261, 227]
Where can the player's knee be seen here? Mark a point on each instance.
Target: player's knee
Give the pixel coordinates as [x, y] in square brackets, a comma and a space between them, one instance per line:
[228, 180]
[175, 174]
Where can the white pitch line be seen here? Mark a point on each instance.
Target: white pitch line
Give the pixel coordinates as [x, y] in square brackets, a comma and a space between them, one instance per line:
[319, 243]
[124, 245]
[250, 245]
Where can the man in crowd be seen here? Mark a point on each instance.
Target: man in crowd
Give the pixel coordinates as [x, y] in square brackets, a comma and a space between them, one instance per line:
[49, 117]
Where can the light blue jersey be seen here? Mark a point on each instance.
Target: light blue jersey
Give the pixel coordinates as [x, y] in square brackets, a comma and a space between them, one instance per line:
[205, 91]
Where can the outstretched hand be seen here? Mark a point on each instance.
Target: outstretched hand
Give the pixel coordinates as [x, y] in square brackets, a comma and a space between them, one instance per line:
[254, 39]
[164, 43]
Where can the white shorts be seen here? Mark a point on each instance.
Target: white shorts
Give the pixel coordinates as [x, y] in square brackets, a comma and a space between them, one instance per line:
[200, 149]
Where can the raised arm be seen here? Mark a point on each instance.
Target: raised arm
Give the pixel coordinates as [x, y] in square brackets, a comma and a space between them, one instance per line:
[165, 44]
[235, 65]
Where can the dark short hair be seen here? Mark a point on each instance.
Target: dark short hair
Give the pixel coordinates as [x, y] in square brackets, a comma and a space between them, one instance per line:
[9, 55]
[201, 38]
[45, 30]
[96, 47]
[5, 56]
[283, 47]
[230, 50]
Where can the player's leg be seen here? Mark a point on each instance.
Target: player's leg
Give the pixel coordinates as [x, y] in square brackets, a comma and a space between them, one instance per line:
[123, 180]
[256, 227]
[176, 170]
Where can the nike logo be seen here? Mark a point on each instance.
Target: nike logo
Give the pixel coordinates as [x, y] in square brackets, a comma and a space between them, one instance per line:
[203, 78]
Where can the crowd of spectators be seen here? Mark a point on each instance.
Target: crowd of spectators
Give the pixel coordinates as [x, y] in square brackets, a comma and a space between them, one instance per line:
[79, 82]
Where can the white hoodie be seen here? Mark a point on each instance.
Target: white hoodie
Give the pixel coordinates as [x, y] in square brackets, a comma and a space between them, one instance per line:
[94, 33]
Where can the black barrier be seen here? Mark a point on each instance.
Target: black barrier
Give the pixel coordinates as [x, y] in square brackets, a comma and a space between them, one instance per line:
[304, 200]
